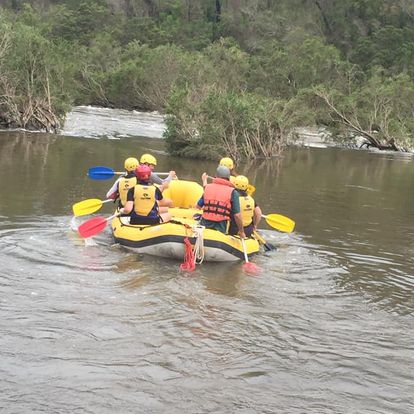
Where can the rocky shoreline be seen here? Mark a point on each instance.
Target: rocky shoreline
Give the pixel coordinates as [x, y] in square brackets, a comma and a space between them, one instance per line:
[98, 122]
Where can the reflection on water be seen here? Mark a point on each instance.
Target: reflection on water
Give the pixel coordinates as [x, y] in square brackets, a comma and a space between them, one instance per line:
[327, 327]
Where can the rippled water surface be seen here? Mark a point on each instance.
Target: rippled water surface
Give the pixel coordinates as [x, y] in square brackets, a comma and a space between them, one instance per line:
[326, 328]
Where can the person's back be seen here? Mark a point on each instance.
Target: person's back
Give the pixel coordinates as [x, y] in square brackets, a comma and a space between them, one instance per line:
[220, 202]
[144, 200]
[249, 210]
[123, 184]
[217, 204]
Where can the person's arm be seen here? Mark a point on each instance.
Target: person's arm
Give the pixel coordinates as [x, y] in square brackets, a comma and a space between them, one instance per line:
[239, 222]
[257, 216]
[200, 203]
[129, 205]
[164, 185]
[154, 179]
[204, 178]
[161, 200]
[235, 209]
[113, 191]
[171, 176]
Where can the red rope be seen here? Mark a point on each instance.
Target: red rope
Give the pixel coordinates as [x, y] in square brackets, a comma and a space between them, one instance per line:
[189, 258]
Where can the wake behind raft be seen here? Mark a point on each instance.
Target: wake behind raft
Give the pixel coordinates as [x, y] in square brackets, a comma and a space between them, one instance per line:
[170, 239]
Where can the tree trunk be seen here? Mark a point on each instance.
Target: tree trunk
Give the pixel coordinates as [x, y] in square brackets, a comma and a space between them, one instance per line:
[352, 123]
[217, 13]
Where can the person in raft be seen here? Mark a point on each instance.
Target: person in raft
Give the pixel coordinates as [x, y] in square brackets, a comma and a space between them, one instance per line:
[151, 161]
[145, 199]
[121, 186]
[224, 162]
[251, 213]
[229, 163]
[220, 203]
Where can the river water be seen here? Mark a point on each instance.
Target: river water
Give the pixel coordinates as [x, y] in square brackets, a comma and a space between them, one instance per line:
[326, 328]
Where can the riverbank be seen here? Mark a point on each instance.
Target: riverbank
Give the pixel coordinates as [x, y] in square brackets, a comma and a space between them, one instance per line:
[97, 122]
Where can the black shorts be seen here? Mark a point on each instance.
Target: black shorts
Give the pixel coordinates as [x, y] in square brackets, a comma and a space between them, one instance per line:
[146, 220]
[233, 230]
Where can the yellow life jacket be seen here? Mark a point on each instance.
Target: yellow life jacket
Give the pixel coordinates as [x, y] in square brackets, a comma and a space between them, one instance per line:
[144, 199]
[246, 209]
[124, 185]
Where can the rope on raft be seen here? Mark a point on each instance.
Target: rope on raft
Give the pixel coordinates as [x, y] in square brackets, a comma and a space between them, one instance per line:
[199, 243]
[189, 257]
[193, 254]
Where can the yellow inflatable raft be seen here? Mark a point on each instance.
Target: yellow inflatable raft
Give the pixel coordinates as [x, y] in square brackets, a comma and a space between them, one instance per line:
[167, 239]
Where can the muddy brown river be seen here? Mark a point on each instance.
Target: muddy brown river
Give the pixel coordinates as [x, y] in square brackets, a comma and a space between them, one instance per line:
[93, 328]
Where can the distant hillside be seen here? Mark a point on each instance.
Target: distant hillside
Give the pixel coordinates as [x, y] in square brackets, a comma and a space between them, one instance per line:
[268, 65]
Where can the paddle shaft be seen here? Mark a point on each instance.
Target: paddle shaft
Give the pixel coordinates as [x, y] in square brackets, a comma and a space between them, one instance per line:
[246, 258]
[105, 173]
[113, 216]
[155, 172]
[249, 267]
[263, 242]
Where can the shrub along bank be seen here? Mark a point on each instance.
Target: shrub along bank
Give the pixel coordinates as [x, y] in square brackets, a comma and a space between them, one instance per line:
[233, 77]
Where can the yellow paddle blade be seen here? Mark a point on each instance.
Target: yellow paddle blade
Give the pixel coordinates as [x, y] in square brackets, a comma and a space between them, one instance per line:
[251, 189]
[279, 222]
[86, 207]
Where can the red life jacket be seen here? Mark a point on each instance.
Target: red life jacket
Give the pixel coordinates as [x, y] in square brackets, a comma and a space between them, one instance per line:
[217, 200]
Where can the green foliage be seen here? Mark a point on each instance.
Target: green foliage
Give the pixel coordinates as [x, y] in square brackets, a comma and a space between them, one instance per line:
[389, 47]
[225, 65]
[146, 76]
[282, 71]
[238, 124]
[236, 73]
[35, 75]
[379, 109]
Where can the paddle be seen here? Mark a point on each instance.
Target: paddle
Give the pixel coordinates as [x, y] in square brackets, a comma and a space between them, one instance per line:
[268, 246]
[279, 222]
[251, 189]
[105, 173]
[85, 207]
[249, 267]
[94, 226]
[102, 173]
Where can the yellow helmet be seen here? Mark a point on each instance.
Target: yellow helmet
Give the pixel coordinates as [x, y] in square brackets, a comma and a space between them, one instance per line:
[227, 162]
[241, 182]
[130, 164]
[148, 159]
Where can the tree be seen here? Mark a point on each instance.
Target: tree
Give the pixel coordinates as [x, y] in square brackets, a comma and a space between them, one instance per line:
[379, 110]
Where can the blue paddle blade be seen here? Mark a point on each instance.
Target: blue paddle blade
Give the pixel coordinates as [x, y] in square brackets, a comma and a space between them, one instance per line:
[101, 173]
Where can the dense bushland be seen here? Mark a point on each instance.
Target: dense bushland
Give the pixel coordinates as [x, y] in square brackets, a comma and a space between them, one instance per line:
[234, 76]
